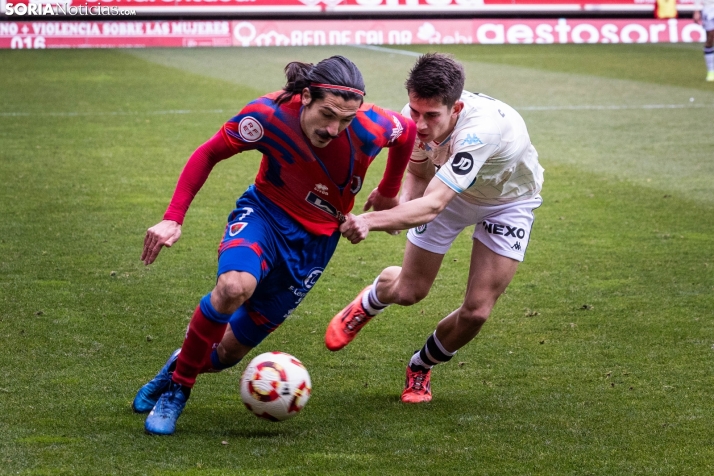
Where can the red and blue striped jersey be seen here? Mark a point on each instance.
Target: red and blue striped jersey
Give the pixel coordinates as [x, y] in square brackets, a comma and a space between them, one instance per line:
[292, 174]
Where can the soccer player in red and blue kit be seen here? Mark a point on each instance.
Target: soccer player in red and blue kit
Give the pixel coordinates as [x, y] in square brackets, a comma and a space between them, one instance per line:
[317, 138]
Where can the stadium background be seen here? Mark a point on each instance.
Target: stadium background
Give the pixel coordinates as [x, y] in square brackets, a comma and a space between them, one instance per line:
[207, 23]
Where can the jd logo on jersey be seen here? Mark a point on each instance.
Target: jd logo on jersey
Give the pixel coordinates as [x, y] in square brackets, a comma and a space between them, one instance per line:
[462, 164]
[504, 230]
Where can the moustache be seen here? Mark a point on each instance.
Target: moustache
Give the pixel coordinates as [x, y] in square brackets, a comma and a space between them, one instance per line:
[324, 135]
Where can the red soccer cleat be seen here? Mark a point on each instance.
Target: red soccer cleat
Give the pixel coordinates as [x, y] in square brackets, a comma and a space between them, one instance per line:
[347, 323]
[417, 388]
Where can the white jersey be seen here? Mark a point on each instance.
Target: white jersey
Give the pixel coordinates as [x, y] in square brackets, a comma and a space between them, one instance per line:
[488, 158]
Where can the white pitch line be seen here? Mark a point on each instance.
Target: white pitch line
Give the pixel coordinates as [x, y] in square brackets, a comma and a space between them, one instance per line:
[113, 113]
[613, 107]
[388, 50]
[584, 107]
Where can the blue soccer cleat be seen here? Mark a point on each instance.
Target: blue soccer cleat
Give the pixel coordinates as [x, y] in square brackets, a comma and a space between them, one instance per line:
[162, 419]
[149, 394]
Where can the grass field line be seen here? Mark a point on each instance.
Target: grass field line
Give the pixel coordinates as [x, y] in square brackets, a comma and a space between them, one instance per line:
[389, 50]
[612, 107]
[583, 107]
[115, 113]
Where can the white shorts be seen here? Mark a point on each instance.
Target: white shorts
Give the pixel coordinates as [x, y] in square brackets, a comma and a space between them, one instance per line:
[708, 17]
[504, 229]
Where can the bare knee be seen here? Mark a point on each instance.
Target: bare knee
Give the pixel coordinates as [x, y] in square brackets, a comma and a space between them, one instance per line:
[232, 290]
[393, 289]
[410, 295]
[474, 318]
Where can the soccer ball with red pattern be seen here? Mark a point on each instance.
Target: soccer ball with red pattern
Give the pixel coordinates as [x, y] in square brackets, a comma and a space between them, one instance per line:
[275, 386]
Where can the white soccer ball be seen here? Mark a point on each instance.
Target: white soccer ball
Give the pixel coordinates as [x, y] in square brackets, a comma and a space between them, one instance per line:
[275, 386]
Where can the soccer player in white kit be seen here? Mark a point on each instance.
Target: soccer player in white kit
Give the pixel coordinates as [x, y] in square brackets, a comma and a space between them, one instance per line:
[704, 15]
[472, 164]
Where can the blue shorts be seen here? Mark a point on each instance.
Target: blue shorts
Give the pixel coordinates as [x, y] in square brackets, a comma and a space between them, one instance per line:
[286, 260]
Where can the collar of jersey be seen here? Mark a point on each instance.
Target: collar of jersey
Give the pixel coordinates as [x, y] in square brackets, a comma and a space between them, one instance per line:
[436, 146]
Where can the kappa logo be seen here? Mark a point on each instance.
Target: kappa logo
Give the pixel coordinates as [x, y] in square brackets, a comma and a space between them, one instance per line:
[471, 139]
[250, 129]
[504, 230]
[320, 188]
[397, 131]
[517, 246]
[236, 228]
[462, 163]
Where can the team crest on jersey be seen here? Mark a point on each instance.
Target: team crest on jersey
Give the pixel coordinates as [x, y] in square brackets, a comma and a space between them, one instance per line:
[356, 184]
[236, 228]
[250, 129]
[312, 277]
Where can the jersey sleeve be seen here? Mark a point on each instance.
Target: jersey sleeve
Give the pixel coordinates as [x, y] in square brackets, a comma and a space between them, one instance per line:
[246, 130]
[400, 148]
[392, 130]
[472, 147]
[194, 175]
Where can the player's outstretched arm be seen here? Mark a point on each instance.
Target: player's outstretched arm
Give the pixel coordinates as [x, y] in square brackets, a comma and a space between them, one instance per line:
[192, 178]
[406, 215]
[164, 233]
[379, 202]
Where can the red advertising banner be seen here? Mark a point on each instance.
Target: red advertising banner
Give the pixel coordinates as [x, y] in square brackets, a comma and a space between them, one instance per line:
[83, 34]
[481, 31]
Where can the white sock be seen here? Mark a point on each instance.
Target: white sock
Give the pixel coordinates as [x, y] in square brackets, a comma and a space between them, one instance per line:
[371, 303]
[417, 362]
[441, 347]
[709, 58]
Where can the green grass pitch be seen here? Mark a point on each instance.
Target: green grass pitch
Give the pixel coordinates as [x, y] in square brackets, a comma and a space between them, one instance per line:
[597, 360]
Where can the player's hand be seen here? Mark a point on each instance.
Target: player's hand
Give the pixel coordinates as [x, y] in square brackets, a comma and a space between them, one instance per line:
[379, 202]
[165, 233]
[354, 228]
[697, 17]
